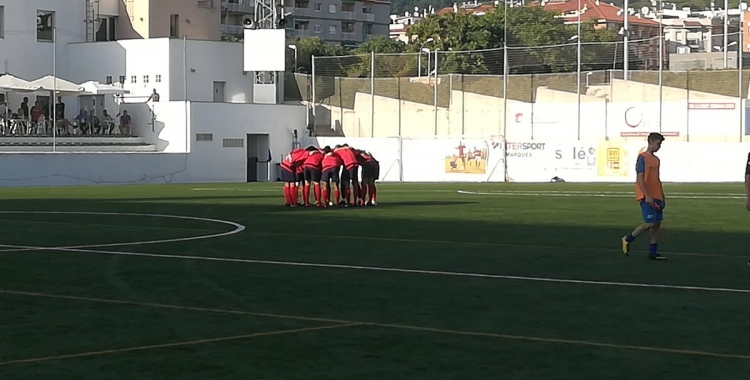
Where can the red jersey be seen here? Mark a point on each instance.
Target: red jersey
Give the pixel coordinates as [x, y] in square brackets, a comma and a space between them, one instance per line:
[294, 159]
[347, 156]
[331, 161]
[314, 160]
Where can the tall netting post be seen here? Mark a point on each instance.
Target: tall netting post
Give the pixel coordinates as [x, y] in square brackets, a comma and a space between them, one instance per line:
[479, 105]
[341, 87]
[543, 78]
[741, 77]
[401, 95]
[597, 61]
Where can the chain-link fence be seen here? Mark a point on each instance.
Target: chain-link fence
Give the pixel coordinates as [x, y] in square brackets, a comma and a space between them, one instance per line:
[550, 92]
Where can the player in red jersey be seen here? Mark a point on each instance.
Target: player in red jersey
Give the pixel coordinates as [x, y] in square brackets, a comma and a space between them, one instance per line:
[350, 174]
[313, 167]
[330, 176]
[370, 173]
[289, 166]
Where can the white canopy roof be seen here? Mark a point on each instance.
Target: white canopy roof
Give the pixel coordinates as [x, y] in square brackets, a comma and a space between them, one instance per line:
[97, 88]
[11, 83]
[63, 87]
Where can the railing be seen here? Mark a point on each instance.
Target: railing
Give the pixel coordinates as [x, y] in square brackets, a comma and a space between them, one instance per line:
[232, 29]
[542, 94]
[248, 7]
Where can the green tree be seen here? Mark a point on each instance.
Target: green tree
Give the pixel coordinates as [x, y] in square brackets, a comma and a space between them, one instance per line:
[309, 47]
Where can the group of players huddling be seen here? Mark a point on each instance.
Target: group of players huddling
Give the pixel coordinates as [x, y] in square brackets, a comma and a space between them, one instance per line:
[330, 171]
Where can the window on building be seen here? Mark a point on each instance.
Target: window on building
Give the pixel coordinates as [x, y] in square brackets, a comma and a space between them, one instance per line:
[174, 26]
[145, 79]
[318, 7]
[332, 8]
[122, 79]
[317, 28]
[2, 21]
[133, 79]
[347, 6]
[332, 29]
[367, 28]
[158, 78]
[106, 30]
[45, 23]
[108, 79]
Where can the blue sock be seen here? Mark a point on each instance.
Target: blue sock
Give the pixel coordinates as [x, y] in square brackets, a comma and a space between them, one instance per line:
[652, 249]
[629, 238]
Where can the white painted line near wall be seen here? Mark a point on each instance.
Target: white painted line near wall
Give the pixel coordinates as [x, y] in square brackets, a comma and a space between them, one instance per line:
[593, 194]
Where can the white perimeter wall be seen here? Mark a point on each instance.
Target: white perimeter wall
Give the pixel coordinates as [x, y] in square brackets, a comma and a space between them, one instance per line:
[213, 162]
[208, 161]
[424, 160]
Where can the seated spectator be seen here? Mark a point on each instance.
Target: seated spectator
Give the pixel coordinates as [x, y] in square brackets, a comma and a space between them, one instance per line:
[125, 123]
[82, 121]
[109, 123]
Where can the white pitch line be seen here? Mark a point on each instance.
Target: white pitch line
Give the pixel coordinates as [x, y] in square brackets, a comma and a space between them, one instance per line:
[237, 228]
[396, 270]
[583, 194]
[559, 193]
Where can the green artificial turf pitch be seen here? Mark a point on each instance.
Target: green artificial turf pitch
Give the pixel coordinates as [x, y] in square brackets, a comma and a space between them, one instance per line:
[431, 284]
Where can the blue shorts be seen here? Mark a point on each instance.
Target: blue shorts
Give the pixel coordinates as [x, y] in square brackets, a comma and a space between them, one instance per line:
[651, 215]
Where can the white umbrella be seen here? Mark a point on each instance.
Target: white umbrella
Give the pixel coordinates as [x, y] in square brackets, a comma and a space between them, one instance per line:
[97, 88]
[61, 86]
[11, 83]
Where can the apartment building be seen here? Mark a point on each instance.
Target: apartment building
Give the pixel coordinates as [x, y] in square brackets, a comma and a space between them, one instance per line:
[346, 22]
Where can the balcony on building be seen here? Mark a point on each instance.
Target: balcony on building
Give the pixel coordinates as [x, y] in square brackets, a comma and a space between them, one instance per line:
[238, 6]
[237, 30]
[367, 14]
[348, 9]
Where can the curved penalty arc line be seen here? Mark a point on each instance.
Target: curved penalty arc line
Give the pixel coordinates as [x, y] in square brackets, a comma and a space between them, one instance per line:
[237, 227]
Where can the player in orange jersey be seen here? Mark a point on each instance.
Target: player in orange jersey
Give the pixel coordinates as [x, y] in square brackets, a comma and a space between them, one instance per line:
[650, 193]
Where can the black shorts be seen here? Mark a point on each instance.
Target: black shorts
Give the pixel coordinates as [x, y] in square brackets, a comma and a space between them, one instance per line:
[287, 176]
[371, 170]
[350, 174]
[331, 175]
[312, 175]
[300, 177]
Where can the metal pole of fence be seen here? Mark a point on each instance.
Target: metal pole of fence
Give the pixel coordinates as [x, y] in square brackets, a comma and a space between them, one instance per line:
[687, 118]
[419, 64]
[726, 32]
[740, 49]
[372, 94]
[661, 66]
[311, 102]
[54, 89]
[626, 35]
[505, 90]
[435, 92]
[463, 107]
[579, 37]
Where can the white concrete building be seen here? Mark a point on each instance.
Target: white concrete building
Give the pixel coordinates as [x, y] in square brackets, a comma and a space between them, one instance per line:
[203, 113]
